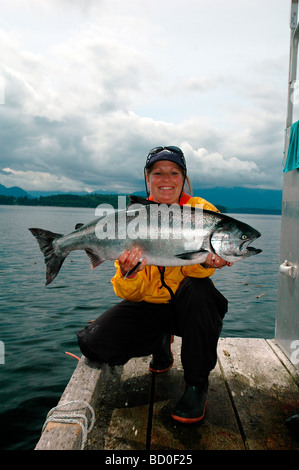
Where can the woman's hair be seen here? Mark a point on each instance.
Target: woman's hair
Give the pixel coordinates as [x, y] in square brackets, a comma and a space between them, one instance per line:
[188, 186]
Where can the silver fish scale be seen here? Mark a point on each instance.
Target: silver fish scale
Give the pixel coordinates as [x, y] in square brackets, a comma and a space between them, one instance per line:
[161, 235]
[167, 238]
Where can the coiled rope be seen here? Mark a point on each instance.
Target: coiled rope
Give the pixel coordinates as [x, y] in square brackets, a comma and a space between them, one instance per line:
[72, 416]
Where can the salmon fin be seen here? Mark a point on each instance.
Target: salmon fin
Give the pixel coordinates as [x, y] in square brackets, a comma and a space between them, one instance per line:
[189, 255]
[53, 260]
[94, 258]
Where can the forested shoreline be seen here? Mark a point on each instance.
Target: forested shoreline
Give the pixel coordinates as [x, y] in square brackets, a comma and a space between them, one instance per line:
[64, 200]
[94, 200]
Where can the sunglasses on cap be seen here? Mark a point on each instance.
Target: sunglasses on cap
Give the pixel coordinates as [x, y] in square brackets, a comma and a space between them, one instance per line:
[176, 156]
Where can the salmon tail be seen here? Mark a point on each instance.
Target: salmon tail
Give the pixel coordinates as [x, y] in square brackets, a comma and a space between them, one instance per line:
[53, 260]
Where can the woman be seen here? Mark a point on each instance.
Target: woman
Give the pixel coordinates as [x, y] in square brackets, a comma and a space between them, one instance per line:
[161, 302]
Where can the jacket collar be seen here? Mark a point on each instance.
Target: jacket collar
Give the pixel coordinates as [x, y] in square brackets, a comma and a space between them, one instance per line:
[183, 200]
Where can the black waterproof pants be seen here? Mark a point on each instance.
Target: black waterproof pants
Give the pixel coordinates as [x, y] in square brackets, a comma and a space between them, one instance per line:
[135, 329]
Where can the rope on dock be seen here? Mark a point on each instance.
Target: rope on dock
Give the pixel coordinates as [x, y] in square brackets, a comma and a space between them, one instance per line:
[72, 416]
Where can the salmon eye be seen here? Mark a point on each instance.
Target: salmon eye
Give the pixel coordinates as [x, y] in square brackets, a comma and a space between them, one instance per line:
[244, 237]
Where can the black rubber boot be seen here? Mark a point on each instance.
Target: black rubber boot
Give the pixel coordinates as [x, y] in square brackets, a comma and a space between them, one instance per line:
[192, 406]
[163, 360]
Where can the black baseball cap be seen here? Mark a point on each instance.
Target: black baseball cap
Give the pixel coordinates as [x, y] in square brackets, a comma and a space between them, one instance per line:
[171, 153]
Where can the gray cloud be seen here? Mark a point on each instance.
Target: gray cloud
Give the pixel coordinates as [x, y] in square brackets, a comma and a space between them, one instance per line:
[84, 110]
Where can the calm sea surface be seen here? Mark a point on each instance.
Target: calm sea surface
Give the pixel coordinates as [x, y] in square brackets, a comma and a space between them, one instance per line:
[38, 324]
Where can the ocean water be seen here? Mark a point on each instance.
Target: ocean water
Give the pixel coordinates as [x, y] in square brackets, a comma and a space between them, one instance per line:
[38, 324]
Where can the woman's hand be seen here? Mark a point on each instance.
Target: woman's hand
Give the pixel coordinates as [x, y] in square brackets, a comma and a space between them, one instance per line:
[214, 261]
[129, 259]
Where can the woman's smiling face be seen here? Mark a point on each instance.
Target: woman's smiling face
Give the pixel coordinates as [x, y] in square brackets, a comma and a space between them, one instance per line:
[165, 181]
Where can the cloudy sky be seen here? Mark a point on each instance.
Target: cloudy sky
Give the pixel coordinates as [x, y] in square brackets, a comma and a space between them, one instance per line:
[88, 87]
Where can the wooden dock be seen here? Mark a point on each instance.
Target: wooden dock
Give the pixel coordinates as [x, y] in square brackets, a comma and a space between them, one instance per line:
[253, 391]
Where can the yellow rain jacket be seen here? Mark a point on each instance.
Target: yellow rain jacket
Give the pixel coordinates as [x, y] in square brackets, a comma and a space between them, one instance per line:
[148, 284]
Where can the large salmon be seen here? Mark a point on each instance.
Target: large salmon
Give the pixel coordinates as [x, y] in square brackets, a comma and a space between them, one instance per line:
[167, 235]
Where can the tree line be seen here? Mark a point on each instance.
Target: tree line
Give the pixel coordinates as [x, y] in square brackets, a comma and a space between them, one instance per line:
[70, 200]
[63, 200]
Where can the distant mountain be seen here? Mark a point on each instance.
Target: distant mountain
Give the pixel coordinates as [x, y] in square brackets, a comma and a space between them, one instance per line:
[55, 193]
[15, 191]
[237, 197]
[103, 191]
[77, 193]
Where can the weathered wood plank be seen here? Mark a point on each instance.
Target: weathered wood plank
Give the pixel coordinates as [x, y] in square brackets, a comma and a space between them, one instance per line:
[84, 386]
[59, 436]
[219, 429]
[262, 391]
[293, 371]
[253, 390]
[122, 411]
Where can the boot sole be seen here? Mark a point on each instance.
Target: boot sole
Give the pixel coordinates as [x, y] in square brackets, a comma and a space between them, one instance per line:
[160, 371]
[189, 420]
